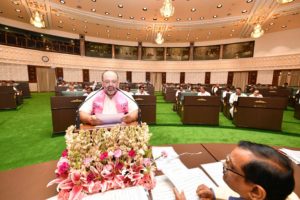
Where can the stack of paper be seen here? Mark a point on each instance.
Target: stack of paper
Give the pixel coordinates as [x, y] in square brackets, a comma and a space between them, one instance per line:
[292, 154]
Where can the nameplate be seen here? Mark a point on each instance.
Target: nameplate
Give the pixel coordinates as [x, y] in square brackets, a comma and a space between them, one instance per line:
[273, 91]
[201, 99]
[260, 101]
[139, 99]
[76, 101]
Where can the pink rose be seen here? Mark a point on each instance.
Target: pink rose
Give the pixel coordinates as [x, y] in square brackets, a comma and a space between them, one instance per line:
[64, 153]
[103, 155]
[131, 153]
[117, 153]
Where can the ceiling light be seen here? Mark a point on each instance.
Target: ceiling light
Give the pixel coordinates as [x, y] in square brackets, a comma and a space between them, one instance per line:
[159, 38]
[215, 16]
[62, 1]
[219, 6]
[244, 11]
[18, 10]
[178, 19]
[120, 15]
[284, 1]
[257, 31]
[93, 10]
[107, 13]
[131, 17]
[37, 20]
[145, 9]
[249, 1]
[143, 18]
[193, 9]
[120, 6]
[167, 10]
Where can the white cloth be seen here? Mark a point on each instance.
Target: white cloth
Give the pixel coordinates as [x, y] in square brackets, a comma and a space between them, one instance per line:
[234, 97]
[203, 94]
[258, 96]
[177, 92]
[109, 104]
[225, 93]
[139, 93]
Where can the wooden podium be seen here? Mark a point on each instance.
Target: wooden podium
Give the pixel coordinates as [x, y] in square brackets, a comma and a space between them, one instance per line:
[63, 110]
[200, 110]
[7, 98]
[147, 104]
[261, 113]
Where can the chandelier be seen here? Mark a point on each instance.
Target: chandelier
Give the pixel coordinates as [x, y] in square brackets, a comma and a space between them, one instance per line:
[167, 10]
[257, 31]
[284, 1]
[37, 20]
[159, 38]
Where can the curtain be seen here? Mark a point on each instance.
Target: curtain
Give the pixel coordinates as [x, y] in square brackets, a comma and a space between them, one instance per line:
[95, 75]
[283, 78]
[194, 77]
[138, 77]
[240, 79]
[295, 78]
[218, 77]
[156, 80]
[13, 72]
[73, 75]
[173, 77]
[265, 77]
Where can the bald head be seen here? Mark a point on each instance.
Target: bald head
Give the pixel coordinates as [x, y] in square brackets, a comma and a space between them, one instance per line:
[110, 82]
[110, 74]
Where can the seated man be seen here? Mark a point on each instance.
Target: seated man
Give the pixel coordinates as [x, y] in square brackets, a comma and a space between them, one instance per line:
[234, 98]
[179, 90]
[255, 172]
[110, 100]
[203, 92]
[141, 91]
[256, 94]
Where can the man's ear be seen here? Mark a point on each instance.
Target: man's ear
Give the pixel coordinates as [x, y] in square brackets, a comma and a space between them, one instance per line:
[257, 193]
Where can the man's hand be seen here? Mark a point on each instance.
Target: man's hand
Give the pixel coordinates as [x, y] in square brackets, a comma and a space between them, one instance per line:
[94, 120]
[205, 193]
[179, 196]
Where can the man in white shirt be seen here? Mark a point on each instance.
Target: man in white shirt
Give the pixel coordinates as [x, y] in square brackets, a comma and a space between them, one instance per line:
[256, 94]
[110, 100]
[202, 92]
[234, 98]
[180, 90]
[141, 91]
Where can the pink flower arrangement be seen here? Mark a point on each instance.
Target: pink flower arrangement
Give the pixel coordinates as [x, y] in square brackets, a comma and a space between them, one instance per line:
[101, 160]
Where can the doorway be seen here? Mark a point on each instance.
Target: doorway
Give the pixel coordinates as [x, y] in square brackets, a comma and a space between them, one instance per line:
[45, 79]
[156, 80]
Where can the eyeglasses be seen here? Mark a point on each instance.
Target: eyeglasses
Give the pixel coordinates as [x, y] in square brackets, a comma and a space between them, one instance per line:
[226, 168]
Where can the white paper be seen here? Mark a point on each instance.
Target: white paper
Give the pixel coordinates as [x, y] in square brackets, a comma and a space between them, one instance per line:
[110, 118]
[130, 193]
[166, 162]
[215, 171]
[292, 154]
[187, 181]
[163, 189]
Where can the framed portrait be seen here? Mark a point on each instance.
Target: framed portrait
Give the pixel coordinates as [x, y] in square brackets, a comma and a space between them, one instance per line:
[153, 53]
[238, 50]
[126, 52]
[178, 53]
[207, 52]
[98, 50]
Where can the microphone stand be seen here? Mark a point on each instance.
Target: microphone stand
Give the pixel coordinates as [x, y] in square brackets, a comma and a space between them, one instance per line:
[139, 110]
[77, 120]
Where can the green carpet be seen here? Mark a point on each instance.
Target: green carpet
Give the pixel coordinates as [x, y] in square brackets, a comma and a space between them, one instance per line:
[25, 136]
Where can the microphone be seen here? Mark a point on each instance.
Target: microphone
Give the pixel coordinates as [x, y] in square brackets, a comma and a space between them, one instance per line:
[139, 110]
[77, 120]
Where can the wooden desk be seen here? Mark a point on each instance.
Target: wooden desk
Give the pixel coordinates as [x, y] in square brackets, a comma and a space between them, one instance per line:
[297, 111]
[219, 152]
[63, 111]
[200, 110]
[261, 113]
[147, 104]
[7, 97]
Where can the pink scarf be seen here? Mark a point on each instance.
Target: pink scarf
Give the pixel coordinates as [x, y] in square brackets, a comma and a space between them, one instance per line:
[120, 101]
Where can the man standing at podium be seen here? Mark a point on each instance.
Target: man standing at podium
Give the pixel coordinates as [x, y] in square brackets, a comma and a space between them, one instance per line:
[109, 100]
